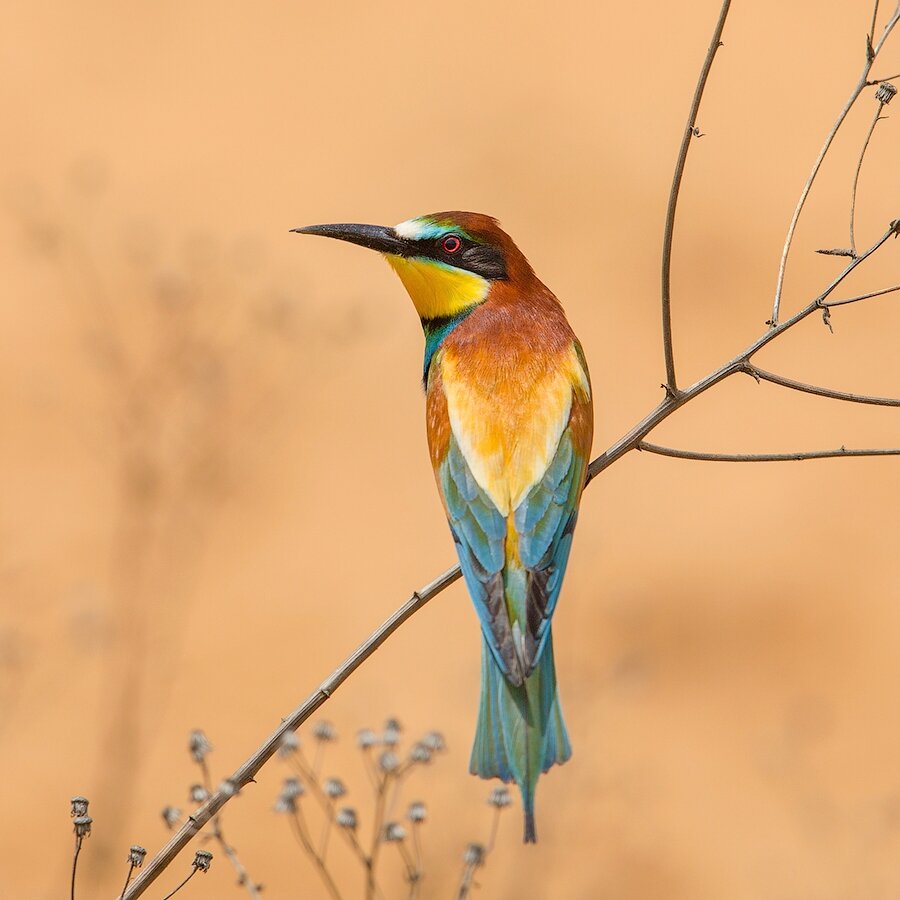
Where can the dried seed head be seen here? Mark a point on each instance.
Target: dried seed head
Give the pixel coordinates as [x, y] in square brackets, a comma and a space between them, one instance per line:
[474, 855]
[324, 731]
[346, 818]
[136, 855]
[202, 859]
[499, 797]
[434, 741]
[79, 806]
[291, 790]
[82, 825]
[290, 743]
[199, 745]
[198, 794]
[365, 738]
[334, 787]
[419, 753]
[388, 761]
[171, 816]
[394, 832]
[391, 736]
[416, 812]
[885, 93]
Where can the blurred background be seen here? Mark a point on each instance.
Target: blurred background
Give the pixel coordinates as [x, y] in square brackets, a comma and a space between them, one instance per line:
[214, 474]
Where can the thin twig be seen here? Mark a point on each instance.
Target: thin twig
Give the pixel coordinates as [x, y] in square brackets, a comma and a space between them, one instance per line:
[668, 233]
[183, 883]
[859, 164]
[874, 21]
[127, 879]
[377, 829]
[298, 826]
[763, 457]
[762, 374]
[859, 297]
[78, 841]
[862, 83]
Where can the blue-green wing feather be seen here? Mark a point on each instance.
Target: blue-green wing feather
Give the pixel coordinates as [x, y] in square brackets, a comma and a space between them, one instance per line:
[544, 522]
[479, 531]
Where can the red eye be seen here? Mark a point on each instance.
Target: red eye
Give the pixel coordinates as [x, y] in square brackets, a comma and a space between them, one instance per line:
[451, 243]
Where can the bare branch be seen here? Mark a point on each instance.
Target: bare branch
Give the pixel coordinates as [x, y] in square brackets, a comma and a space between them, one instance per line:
[861, 85]
[763, 457]
[818, 391]
[689, 133]
[859, 297]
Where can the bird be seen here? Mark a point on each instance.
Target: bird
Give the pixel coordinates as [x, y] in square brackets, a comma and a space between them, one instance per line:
[509, 421]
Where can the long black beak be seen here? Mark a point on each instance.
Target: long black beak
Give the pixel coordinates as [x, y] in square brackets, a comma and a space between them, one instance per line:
[375, 237]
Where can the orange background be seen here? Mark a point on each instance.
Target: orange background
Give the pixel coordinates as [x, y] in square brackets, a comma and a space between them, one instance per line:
[214, 475]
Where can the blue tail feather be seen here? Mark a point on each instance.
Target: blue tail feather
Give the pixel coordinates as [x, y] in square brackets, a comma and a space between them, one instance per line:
[520, 731]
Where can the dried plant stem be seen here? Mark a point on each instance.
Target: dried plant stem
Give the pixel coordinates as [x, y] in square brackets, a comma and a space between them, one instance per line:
[465, 884]
[377, 834]
[881, 293]
[669, 231]
[218, 835]
[861, 85]
[763, 457]
[862, 155]
[304, 839]
[127, 879]
[78, 841]
[763, 375]
[180, 886]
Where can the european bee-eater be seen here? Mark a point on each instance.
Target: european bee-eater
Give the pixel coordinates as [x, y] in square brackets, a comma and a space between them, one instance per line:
[509, 421]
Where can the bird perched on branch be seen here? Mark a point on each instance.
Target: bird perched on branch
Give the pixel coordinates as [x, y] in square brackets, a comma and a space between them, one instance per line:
[510, 422]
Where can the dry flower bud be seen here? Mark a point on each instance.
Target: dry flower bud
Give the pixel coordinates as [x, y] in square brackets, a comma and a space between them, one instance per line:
[202, 859]
[474, 855]
[391, 736]
[290, 743]
[346, 818]
[419, 753]
[499, 797]
[136, 855]
[199, 745]
[885, 93]
[79, 806]
[291, 789]
[394, 832]
[334, 788]
[324, 731]
[388, 761]
[198, 793]
[434, 741]
[171, 816]
[365, 738]
[82, 825]
[416, 812]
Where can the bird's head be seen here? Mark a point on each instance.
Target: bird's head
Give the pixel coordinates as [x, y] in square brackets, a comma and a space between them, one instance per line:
[448, 262]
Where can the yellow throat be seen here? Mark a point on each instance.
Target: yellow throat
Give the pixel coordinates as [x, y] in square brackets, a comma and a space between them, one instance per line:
[438, 290]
